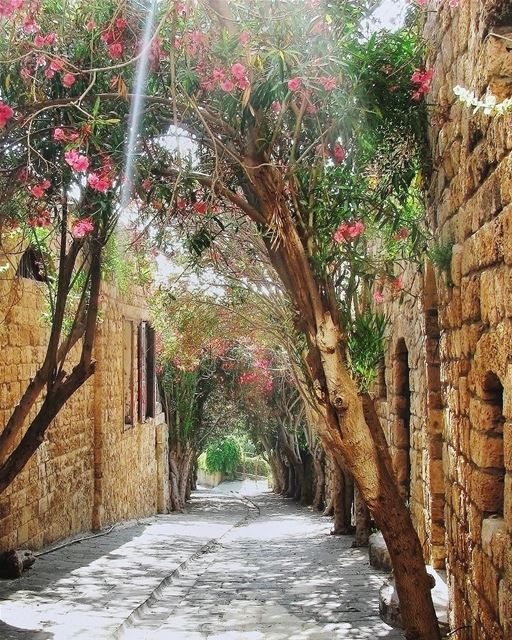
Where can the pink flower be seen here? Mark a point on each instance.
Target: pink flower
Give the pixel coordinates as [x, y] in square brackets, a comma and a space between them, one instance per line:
[91, 25]
[49, 73]
[99, 182]
[276, 106]
[238, 71]
[57, 64]
[423, 80]
[121, 23]
[218, 74]
[227, 85]
[294, 84]
[338, 153]
[348, 231]
[6, 113]
[30, 25]
[402, 234]
[39, 41]
[80, 228]
[245, 38]
[38, 190]
[59, 134]
[76, 161]
[147, 184]
[181, 203]
[328, 83]
[68, 80]
[8, 7]
[116, 50]
[378, 297]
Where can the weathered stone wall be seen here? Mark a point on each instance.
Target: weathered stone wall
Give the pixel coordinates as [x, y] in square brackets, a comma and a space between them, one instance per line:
[470, 209]
[409, 405]
[90, 470]
[471, 206]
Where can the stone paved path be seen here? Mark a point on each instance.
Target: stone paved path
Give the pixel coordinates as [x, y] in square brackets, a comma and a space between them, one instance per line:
[223, 571]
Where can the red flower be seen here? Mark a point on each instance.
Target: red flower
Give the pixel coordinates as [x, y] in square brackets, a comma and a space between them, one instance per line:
[99, 182]
[402, 233]
[348, 231]
[38, 190]
[201, 207]
[68, 80]
[116, 50]
[6, 113]
[338, 153]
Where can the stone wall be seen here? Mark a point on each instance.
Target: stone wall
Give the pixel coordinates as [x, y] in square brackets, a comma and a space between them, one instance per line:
[469, 446]
[91, 470]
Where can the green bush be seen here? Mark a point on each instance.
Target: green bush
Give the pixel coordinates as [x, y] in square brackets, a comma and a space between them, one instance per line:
[223, 455]
[255, 465]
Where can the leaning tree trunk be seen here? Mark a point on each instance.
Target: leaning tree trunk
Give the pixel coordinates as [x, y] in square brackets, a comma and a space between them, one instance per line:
[342, 502]
[354, 436]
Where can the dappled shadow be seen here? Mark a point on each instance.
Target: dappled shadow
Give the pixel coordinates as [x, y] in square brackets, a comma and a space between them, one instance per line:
[7, 632]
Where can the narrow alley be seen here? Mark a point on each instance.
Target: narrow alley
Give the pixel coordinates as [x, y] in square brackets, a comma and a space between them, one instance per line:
[231, 568]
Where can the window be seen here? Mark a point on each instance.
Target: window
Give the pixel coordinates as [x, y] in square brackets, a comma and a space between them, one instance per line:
[146, 372]
[128, 372]
[32, 266]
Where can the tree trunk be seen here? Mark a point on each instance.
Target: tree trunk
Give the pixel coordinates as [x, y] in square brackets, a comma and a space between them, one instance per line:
[354, 435]
[341, 525]
[318, 462]
[363, 521]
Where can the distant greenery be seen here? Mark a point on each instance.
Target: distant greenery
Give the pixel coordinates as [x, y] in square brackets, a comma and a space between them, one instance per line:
[224, 456]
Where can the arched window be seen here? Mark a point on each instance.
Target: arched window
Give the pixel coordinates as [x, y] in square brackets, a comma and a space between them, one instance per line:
[32, 265]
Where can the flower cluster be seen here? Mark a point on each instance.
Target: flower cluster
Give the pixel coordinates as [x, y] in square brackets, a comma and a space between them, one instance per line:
[422, 79]
[228, 81]
[76, 160]
[39, 190]
[348, 231]
[41, 218]
[81, 228]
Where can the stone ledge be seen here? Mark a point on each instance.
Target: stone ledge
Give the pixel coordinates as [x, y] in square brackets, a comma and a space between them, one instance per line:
[378, 551]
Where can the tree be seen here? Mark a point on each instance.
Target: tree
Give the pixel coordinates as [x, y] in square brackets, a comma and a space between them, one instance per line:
[264, 106]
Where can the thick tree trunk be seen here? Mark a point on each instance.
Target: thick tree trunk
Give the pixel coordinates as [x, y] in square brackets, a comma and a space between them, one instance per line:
[180, 469]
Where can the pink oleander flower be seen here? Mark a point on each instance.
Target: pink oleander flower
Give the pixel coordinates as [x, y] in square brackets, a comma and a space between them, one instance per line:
[115, 50]
[8, 7]
[181, 203]
[276, 106]
[348, 231]
[328, 83]
[6, 113]
[218, 74]
[81, 228]
[378, 297]
[57, 64]
[68, 80]
[338, 153]
[121, 23]
[39, 190]
[402, 234]
[59, 134]
[423, 80]
[91, 25]
[227, 85]
[238, 71]
[30, 25]
[294, 84]
[49, 73]
[99, 182]
[244, 38]
[77, 161]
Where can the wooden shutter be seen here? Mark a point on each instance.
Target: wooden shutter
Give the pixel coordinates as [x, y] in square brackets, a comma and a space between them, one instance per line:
[142, 374]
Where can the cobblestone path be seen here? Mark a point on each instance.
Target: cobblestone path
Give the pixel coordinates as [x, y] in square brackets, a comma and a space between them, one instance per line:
[223, 571]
